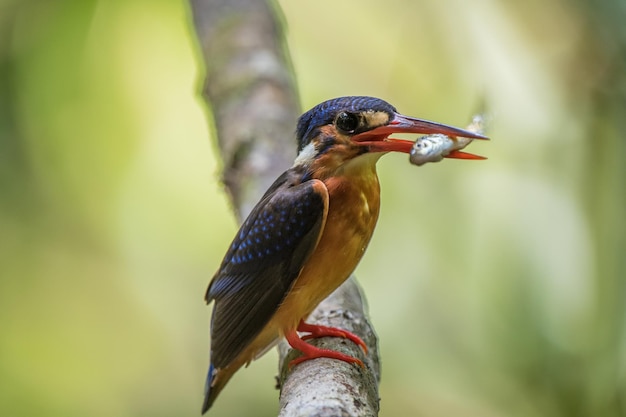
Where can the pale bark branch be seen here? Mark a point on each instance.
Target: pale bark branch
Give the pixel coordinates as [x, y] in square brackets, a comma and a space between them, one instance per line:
[250, 90]
[328, 387]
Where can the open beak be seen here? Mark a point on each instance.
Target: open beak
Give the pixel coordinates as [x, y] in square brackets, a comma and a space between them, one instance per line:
[378, 139]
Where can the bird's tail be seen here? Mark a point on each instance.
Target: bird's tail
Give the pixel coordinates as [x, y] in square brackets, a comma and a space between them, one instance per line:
[210, 392]
[215, 381]
[217, 377]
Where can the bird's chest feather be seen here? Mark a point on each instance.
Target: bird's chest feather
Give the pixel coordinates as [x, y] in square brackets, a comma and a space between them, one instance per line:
[354, 203]
[352, 214]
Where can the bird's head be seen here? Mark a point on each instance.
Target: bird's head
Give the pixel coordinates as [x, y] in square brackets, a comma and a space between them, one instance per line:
[339, 130]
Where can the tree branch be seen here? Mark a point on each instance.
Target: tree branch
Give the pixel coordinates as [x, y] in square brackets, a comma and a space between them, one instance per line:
[250, 89]
[327, 387]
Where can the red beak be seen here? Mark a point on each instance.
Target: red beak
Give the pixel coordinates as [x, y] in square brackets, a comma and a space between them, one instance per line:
[378, 138]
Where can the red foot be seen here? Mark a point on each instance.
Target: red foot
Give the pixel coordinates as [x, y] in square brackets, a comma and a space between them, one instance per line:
[312, 352]
[325, 331]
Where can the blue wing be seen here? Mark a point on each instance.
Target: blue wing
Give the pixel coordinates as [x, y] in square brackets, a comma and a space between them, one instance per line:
[262, 263]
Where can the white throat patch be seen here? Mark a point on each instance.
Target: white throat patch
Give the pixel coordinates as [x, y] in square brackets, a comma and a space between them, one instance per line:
[306, 155]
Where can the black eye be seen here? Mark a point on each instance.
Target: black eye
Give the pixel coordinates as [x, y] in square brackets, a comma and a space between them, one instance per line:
[346, 122]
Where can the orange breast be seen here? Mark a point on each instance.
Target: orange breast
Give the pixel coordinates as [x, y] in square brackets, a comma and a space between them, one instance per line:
[354, 202]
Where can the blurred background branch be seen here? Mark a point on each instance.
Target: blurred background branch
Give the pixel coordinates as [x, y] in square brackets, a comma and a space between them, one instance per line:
[251, 92]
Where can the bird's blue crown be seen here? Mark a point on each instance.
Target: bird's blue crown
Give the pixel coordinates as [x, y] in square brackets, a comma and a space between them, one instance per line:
[324, 113]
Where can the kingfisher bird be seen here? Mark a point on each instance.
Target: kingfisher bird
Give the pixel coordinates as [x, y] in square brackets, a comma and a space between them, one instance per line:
[306, 235]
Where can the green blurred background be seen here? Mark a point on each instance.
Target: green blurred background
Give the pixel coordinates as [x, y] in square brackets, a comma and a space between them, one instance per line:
[497, 288]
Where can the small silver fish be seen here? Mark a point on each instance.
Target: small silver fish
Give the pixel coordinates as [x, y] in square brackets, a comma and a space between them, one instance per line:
[433, 148]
